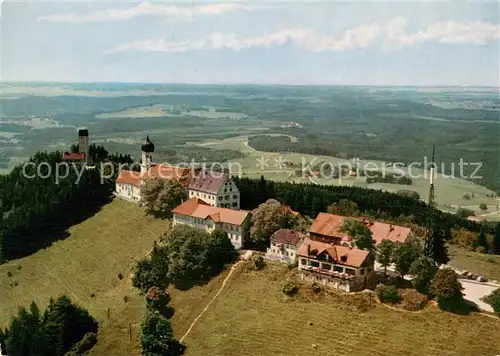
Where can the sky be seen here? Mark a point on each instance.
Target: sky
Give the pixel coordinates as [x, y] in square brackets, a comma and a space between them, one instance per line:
[260, 42]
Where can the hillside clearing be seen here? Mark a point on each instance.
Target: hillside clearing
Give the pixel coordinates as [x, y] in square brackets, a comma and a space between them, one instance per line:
[87, 262]
[475, 262]
[253, 314]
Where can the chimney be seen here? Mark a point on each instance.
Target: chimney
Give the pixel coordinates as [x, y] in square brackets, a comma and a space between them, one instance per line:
[391, 228]
[308, 249]
[343, 258]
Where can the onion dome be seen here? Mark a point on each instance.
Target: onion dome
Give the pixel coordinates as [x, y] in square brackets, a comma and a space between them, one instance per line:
[148, 146]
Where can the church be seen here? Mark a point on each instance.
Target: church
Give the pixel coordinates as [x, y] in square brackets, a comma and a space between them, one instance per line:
[217, 189]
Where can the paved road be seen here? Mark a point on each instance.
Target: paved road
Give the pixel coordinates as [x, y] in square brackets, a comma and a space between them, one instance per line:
[474, 291]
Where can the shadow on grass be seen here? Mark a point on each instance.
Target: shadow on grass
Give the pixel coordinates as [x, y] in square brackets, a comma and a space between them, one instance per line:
[49, 231]
[457, 306]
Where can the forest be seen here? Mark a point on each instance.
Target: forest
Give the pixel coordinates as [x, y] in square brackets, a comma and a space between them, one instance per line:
[36, 208]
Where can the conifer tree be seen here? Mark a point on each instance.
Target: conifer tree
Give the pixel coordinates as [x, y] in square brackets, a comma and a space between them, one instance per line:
[482, 241]
[496, 240]
[435, 247]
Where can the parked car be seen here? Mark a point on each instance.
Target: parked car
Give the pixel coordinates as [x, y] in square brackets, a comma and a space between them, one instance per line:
[482, 279]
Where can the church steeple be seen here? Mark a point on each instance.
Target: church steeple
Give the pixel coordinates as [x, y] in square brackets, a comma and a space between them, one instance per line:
[148, 146]
[147, 149]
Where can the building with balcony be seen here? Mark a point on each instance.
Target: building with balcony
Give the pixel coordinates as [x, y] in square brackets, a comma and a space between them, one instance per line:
[339, 267]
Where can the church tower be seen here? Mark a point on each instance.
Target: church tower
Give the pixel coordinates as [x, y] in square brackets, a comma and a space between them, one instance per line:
[83, 144]
[147, 149]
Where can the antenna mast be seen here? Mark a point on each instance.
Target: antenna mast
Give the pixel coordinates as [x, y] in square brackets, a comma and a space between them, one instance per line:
[432, 192]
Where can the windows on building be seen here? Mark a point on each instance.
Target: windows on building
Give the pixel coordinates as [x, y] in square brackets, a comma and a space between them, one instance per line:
[338, 268]
[235, 196]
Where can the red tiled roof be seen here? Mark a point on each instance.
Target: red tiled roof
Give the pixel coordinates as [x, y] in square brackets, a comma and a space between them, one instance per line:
[162, 171]
[165, 171]
[129, 177]
[208, 182]
[286, 236]
[330, 225]
[197, 208]
[354, 257]
[67, 156]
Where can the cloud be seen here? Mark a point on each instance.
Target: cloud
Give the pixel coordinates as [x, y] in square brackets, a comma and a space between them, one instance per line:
[391, 35]
[167, 12]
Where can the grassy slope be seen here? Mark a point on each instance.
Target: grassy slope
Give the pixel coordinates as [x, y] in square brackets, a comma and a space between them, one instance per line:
[120, 335]
[479, 263]
[253, 316]
[87, 262]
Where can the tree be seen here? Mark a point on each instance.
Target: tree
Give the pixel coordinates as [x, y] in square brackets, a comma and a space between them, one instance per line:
[384, 255]
[360, 233]
[62, 325]
[157, 337]
[403, 255]
[493, 299]
[423, 270]
[435, 247]
[149, 274]
[483, 206]
[160, 196]
[344, 207]
[496, 240]
[482, 241]
[220, 251]
[447, 289]
[268, 218]
[465, 213]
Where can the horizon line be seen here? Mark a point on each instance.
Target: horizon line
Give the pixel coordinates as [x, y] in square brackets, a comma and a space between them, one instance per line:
[251, 84]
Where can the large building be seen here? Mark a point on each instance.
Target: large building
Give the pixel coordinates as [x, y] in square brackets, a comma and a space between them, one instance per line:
[216, 189]
[128, 183]
[327, 228]
[339, 267]
[196, 212]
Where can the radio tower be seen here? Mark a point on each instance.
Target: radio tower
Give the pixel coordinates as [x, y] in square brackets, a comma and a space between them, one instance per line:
[432, 192]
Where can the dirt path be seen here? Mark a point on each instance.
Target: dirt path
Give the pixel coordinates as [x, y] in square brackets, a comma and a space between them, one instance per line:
[213, 299]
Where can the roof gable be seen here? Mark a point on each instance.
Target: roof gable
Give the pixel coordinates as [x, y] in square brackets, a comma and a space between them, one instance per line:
[208, 181]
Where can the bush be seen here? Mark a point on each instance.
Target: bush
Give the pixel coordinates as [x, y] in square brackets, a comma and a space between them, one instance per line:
[494, 300]
[293, 265]
[316, 288]
[257, 262]
[84, 345]
[290, 288]
[388, 294]
[413, 300]
[157, 299]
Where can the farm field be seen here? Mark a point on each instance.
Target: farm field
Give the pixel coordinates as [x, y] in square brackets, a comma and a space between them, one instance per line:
[88, 262]
[253, 314]
[449, 191]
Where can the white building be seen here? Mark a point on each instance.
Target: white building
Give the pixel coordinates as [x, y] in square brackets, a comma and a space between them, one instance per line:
[216, 189]
[128, 183]
[284, 244]
[196, 212]
[340, 267]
